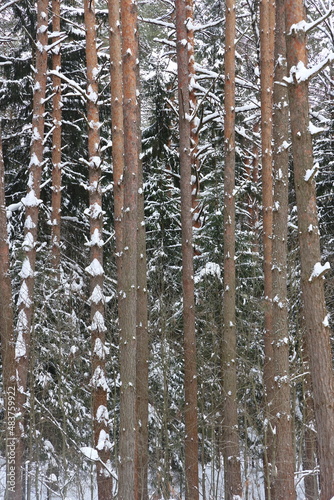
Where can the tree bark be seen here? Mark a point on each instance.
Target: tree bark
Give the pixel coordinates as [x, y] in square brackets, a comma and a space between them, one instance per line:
[31, 201]
[267, 73]
[283, 466]
[95, 269]
[56, 142]
[194, 138]
[190, 368]
[231, 450]
[315, 313]
[7, 338]
[128, 332]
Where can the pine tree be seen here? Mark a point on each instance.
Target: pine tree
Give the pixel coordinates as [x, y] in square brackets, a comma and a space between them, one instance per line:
[312, 271]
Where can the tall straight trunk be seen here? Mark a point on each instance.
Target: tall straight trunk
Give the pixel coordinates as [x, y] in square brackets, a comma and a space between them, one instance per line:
[31, 201]
[7, 338]
[194, 122]
[315, 313]
[142, 335]
[231, 450]
[267, 73]
[56, 141]
[128, 332]
[282, 480]
[310, 436]
[190, 366]
[95, 269]
[142, 351]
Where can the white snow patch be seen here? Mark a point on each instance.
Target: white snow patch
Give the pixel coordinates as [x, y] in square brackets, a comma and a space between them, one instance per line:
[95, 239]
[28, 242]
[26, 271]
[24, 295]
[99, 379]
[326, 320]
[211, 268]
[319, 270]
[97, 295]
[30, 200]
[100, 349]
[104, 441]
[95, 268]
[90, 453]
[102, 414]
[311, 172]
[98, 322]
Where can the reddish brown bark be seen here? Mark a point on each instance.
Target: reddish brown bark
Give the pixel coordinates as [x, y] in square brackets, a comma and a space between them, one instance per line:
[128, 322]
[267, 73]
[31, 202]
[95, 269]
[194, 138]
[56, 141]
[190, 368]
[315, 313]
[231, 450]
[283, 466]
[7, 339]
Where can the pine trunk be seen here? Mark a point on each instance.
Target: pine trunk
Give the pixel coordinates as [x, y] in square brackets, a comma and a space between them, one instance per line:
[231, 450]
[95, 269]
[267, 73]
[7, 339]
[32, 202]
[190, 367]
[315, 313]
[56, 141]
[282, 480]
[128, 488]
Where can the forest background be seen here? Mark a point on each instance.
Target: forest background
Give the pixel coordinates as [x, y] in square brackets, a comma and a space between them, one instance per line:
[173, 358]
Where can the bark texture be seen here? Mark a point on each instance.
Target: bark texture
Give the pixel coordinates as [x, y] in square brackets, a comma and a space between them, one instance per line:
[231, 451]
[190, 367]
[128, 331]
[95, 269]
[267, 23]
[283, 466]
[312, 273]
[56, 141]
[32, 202]
[7, 339]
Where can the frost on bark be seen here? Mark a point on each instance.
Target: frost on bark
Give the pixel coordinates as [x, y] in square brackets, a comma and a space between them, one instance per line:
[56, 140]
[95, 269]
[128, 295]
[190, 368]
[267, 23]
[7, 333]
[283, 461]
[31, 202]
[312, 271]
[231, 451]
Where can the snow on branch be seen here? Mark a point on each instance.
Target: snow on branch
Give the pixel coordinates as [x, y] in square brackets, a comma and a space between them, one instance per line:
[70, 82]
[304, 27]
[319, 270]
[300, 73]
[8, 4]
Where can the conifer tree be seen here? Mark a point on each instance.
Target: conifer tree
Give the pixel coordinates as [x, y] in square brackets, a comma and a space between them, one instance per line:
[98, 329]
[231, 451]
[31, 202]
[312, 271]
[190, 362]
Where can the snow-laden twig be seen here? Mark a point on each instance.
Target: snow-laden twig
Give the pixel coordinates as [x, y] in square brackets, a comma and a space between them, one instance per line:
[306, 27]
[8, 4]
[300, 73]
